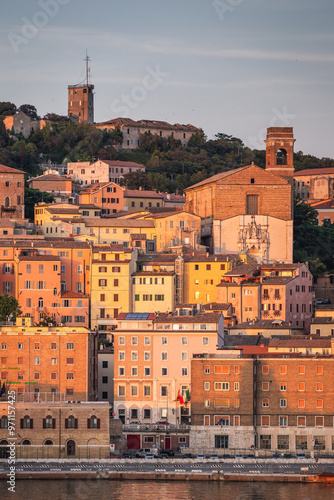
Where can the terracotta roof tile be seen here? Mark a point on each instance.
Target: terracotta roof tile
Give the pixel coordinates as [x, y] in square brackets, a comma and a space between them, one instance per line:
[9, 170]
[315, 171]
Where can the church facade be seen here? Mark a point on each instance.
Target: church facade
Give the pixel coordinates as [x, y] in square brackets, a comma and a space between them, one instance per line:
[249, 209]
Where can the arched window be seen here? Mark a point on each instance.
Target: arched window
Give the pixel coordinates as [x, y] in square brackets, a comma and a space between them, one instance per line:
[4, 422]
[48, 442]
[40, 302]
[71, 422]
[49, 422]
[93, 422]
[26, 422]
[7, 202]
[55, 291]
[26, 442]
[281, 157]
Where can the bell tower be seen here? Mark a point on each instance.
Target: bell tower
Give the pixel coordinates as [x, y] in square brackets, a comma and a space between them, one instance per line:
[279, 152]
[81, 99]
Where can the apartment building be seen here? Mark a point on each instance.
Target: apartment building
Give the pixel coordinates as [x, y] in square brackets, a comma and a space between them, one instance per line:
[57, 429]
[272, 402]
[142, 199]
[152, 362]
[48, 360]
[107, 195]
[269, 291]
[112, 267]
[87, 173]
[48, 276]
[153, 291]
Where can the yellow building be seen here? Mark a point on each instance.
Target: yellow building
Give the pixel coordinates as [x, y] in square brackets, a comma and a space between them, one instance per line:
[139, 199]
[111, 292]
[202, 273]
[153, 291]
[176, 228]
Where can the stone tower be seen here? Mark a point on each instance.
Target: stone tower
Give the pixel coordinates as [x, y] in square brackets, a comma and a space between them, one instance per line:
[279, 152]
[81, 99]
[81, 103]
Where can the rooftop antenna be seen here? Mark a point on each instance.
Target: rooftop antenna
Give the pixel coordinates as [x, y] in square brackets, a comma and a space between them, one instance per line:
[87, 59]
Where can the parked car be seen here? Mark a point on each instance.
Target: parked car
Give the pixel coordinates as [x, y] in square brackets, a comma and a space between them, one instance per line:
[134, 423]
[163, 455]
[239, 455]
[200, 456]
[300, 454]
[143, 451]
[276, 455]
[126, 454]
[322, 301]
[161, 422]
[187, 455]
[214, 455]
[149, 455]
[170, 453]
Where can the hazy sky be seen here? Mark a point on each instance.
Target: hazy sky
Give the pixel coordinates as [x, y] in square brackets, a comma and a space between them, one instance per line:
[231, 66]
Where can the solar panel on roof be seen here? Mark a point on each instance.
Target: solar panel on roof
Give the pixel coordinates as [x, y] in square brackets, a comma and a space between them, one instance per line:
[137, 316]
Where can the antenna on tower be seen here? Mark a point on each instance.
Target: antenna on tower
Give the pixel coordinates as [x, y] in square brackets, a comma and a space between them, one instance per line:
[87, 59]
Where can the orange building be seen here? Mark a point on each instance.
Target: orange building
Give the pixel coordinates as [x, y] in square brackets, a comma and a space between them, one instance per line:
[52, 183]
[11, 193]
[107, 195]
[34, 270]
[44, 360]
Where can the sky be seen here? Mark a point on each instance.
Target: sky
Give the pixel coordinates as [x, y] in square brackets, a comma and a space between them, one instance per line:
[226, 66]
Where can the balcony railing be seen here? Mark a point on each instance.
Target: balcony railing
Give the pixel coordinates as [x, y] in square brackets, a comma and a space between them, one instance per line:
[156, 427]
[277, 297]
[265, 297]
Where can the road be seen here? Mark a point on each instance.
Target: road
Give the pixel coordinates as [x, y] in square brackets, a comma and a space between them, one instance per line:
[177, 466]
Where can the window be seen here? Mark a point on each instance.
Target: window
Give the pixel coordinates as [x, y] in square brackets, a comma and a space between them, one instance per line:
[265, 402]
[69, 345]
[163, 390]
[53, 361]
[265, 441]
[27, 422]
[164, 356]
[236, 386]
[69, 376]
[252, 204]
[301, 370]
[283, 403]
[147, 340]
[184, 340]
[205, 341]
[121, 390]
[206, 403]
[70, 361]
[222, 402]
[265, 369]
[37, 360]
[319, 421]
[319, 370]
[121, 341]
[265, 420]
[301, 443]
[164, 340]
[104, 364]
[20, 346]
[207, 369]
[237, 370]
[184, 356]
[221, 386]
[206, 386]
[147, 371]
[121, 355]
[134, 340]
[164, 372]
[103, 282]
[147, 356]
[184, 372]
[283, 386]
[134, 355]
[121, 371]
[301, 386]
[283, 421]
[134, 373]
[71, 423]
[283, 442]
[222, 369]
[320, 403]
[283, 369]
[319, 442]
[319, 386]
[301, 403]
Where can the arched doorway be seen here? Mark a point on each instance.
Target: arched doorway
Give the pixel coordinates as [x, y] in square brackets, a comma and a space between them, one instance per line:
[6, 202]
[4, 451]
[70, 448]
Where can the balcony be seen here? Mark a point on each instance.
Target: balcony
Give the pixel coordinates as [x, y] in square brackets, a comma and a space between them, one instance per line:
[277, 313]
[265, 313]
[265, 297]
[277, 297]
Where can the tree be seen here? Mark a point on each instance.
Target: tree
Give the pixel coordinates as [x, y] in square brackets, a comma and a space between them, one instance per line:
[47, 319]
[9, 308]
[33, 196]
[29, 110]
[3, 135]
[117, 136]
[7, 109]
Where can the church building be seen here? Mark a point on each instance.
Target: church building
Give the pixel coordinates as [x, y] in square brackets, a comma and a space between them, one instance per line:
[249, 209]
